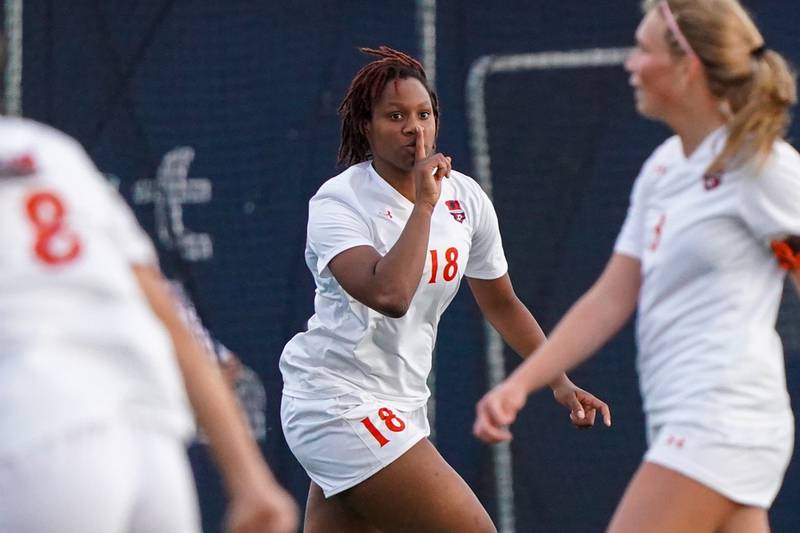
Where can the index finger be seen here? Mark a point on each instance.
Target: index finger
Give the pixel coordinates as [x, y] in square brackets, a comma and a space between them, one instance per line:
[606, 412]
[603, 408]
[420, 154]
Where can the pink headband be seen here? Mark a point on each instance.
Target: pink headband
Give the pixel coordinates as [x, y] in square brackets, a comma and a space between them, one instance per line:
[672, 24]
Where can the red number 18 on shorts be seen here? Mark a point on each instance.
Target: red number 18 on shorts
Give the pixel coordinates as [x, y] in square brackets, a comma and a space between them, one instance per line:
[392, 422]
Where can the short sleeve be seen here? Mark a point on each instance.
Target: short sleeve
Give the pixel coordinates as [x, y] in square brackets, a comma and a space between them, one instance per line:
[770, 202]
[630, 240]
[333, 227]
[487, 260]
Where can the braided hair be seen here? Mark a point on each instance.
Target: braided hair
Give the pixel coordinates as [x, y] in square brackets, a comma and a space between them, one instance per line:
[366, 87]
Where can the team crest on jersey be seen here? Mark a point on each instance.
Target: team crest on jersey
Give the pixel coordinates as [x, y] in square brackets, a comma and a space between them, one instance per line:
[712, 181]
[455, 209]
[23, 165]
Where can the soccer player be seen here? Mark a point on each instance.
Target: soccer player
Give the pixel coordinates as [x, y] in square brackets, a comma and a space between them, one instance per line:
[389, 240]
[711, 231]
[96, 363]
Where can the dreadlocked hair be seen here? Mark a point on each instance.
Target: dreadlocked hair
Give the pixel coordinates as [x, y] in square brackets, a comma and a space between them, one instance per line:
[365, 89]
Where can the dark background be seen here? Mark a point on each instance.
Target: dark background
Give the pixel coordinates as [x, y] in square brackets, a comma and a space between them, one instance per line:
[253, 88]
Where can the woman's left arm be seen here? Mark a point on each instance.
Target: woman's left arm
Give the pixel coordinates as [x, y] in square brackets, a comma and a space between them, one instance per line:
[500, 305]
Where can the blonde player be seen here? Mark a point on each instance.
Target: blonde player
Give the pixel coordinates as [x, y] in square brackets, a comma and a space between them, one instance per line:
[389, 240]
[93, 361]
[696, 253]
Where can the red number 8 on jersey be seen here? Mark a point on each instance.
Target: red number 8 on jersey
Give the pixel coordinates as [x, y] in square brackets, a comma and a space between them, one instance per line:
[55, 244]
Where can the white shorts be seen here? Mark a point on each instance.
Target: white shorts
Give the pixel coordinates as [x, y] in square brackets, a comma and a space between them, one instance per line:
[100, 478]
[344, 440]
[745, 465]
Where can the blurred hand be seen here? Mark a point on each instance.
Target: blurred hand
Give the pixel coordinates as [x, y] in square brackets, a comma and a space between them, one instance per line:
[271, 510]
[582, 406]
[428, 171]
[497, 410]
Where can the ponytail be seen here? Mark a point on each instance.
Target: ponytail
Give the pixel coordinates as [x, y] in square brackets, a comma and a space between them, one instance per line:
[755, 86]
[760, 111]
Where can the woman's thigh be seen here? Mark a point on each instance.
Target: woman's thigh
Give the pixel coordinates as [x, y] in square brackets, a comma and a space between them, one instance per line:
[418, 492]
[332, 515]
[660, 500]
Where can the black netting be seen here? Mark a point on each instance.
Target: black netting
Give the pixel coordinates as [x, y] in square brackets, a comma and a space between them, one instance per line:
[252, 89]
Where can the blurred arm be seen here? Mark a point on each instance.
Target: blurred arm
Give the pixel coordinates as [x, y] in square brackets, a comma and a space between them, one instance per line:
[255, 495]
[387, 283]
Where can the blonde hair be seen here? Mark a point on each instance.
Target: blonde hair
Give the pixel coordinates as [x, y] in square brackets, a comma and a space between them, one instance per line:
[755, 85]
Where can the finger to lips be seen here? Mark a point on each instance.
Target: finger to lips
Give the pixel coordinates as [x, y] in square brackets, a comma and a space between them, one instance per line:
[420, 146]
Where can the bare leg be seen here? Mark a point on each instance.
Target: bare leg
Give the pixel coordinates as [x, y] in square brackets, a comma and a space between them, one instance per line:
[332, 515]
[747, 520]
[660, 500]
[419, 492]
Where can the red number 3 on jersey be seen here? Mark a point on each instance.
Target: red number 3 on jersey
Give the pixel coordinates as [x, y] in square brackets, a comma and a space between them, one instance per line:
[55, 243]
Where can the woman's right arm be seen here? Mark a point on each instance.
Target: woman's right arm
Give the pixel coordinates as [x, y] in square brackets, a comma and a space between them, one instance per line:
[387, 283]
[587, 326]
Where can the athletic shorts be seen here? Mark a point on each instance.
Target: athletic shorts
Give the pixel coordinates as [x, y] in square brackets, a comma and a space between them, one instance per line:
[745, 465]
[344, 440]
[105, 477]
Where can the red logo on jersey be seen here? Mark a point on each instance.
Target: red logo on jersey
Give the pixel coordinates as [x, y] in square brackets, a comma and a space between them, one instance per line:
[23, 165]
[658, 230]
[455, 209]
[712, 181]
[677, 442]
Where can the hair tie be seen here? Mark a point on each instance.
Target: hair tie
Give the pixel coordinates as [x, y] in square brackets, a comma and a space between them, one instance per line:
[758, 52]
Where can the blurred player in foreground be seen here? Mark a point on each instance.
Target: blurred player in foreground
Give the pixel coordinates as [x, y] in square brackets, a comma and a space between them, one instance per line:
[712, 228]
[389, 240]
[94, 358]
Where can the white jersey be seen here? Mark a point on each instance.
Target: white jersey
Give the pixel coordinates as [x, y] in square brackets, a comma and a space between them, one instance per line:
[78, 340]
[350, 347]
[711, 288]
